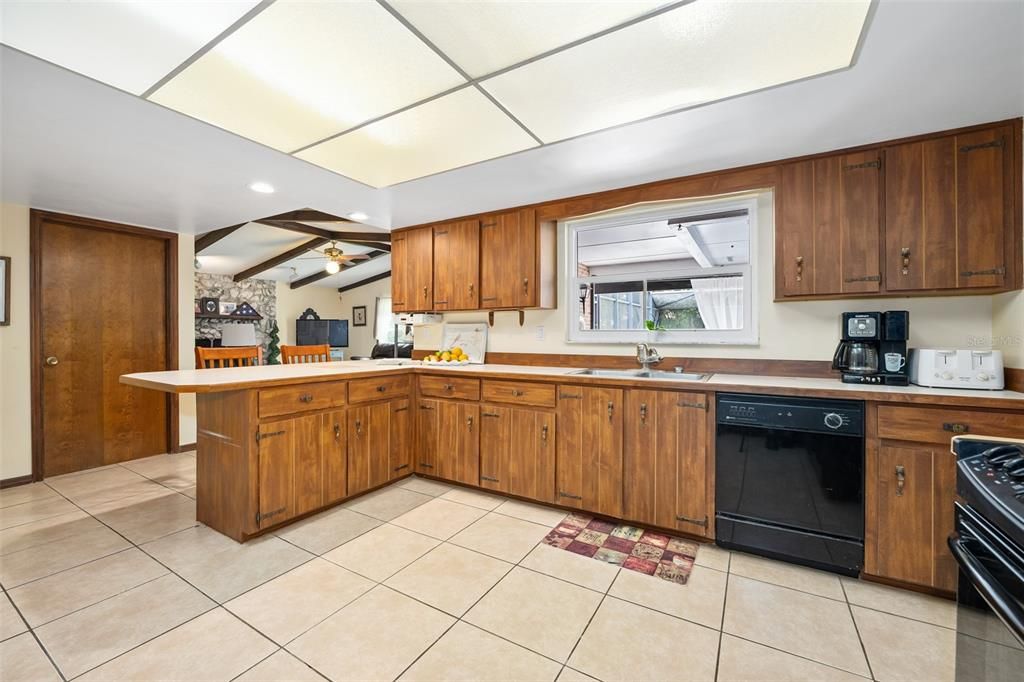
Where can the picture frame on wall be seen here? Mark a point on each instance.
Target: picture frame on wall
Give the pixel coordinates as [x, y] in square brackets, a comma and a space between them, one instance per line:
[5, 291]
[359, 316]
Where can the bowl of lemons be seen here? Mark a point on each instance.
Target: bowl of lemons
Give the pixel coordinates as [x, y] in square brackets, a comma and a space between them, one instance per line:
[451, 356]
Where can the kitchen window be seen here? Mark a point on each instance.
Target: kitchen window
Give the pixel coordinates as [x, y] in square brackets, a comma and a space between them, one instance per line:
[675, 273]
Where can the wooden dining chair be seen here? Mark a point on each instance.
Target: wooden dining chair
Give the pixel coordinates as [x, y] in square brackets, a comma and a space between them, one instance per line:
[293, 355]
[235, 356]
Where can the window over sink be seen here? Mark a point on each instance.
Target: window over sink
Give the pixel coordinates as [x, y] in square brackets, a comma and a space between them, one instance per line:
[671, 272]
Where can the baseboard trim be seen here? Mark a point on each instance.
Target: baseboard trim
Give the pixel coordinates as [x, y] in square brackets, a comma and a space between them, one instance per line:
[185, 447]
[15, 480]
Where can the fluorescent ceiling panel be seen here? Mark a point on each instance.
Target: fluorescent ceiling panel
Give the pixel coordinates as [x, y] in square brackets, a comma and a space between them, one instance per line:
[301, 71]
[482, 37]
[704, 51]
[128, 44]
[451, 131]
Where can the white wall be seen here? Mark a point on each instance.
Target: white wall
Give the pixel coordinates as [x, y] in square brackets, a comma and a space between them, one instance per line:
[805, 330]
[15, 349]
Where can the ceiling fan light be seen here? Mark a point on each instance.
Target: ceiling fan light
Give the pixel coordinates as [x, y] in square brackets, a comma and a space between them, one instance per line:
[332, 267]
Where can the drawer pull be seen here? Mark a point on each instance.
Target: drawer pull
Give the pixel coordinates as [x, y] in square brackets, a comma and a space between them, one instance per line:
[956, 427]
[517, 393]
[703, 523]
[306, 398]
[448, 387]
[492, 479]
[400, 467]
[381, 388]
[562, 493]
[901, 480]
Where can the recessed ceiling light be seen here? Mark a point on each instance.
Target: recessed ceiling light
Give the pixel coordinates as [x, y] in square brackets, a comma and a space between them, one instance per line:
[262, 187]
[358, 215]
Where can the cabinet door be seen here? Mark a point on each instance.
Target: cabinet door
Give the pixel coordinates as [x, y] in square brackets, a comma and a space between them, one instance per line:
[276, 472]
[589, 449]
[920, 215]
[458, 441]
[412, 268]
[495, 447]
[334, 455]
[400, 462]
[457, 265]
[860, 221]
[665, 459]
[984, 207]
[426, 436]
[369, 431]
[913, 515]
[795, 263]
[531, 464]
[508, 260]
[308, 463]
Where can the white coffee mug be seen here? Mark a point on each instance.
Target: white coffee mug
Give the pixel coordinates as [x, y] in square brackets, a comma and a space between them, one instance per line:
[894, 362]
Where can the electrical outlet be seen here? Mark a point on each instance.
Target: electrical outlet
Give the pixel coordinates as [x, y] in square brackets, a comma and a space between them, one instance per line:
[539, 331]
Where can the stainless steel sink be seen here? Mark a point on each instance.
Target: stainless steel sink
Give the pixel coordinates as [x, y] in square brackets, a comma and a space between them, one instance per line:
[642, 374]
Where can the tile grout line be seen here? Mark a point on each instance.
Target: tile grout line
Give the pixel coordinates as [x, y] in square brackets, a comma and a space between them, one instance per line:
[856, 628]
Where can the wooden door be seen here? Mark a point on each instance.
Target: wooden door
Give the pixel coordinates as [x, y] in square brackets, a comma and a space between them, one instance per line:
[495, 447]
[508, 260]
[457, 265]
[412, 267]
[369, 432]
[276, 450]
[589, 449]
[104, 304]
[334, 455]
[920, 215]
[400, 462]
[531, 463]
[665, 459]
[426, 437]
[458, 441]
[913, 515]
[860, 221]
[984, 207]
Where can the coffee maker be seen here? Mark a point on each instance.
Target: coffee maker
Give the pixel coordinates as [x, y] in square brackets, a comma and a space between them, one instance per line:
[873, 349]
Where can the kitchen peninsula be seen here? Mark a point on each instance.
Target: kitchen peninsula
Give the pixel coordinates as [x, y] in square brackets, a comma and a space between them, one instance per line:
[277, 443]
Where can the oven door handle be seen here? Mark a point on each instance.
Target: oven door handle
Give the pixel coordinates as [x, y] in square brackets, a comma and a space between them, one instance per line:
[994, 594]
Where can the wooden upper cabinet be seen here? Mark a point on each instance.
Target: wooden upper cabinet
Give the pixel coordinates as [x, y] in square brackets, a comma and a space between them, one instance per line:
[509, 265]
[986, 251]
[412, 268]
[589, 454]
[860, 221]
[457, 265]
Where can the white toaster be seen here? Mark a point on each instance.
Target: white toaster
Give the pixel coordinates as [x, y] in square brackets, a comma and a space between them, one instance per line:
[956, 368]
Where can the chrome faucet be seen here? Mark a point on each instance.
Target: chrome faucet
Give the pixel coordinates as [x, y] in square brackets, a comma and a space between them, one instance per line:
[647, 355]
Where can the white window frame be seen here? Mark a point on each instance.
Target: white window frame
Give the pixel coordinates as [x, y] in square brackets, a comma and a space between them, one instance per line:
[748, 335]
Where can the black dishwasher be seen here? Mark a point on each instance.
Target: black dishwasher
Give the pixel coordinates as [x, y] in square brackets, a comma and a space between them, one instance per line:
[789, 479]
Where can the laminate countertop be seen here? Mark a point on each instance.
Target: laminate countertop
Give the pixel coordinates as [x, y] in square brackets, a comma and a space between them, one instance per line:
[237, 378]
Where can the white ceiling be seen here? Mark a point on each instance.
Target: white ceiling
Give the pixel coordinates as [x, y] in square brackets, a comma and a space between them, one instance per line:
[72, 144]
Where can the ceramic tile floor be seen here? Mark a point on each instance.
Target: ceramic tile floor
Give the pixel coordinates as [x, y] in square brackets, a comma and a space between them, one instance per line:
[106, 576]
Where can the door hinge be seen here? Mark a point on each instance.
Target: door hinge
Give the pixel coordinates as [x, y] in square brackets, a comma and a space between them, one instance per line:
[426, 466]
[399, 468]
[402, 409]
[492, 479]
[261, 517]
[982, 145]
[562, 493]
[697, 522]
[865, 278]
[489, 414]
[877, 163]
[698, 406]
[976, 273]
[268, 434]
[574, 396]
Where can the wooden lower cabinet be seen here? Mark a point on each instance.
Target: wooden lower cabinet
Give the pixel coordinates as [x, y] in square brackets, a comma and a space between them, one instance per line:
[448, 440]
[909, 513]
[369, 449]
[334, 456]
[665, 460]
[517, 451]
[294, 455]
[589, 453]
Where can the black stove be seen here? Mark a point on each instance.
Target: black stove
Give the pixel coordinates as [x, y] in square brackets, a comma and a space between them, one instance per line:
[988, 545]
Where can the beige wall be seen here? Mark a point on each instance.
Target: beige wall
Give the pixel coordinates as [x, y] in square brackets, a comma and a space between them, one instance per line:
[15, 383]
[361, 339]
[292, 302]
[1008, 327]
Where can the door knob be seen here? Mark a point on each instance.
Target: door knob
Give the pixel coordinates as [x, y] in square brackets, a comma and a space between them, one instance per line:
[52, 360]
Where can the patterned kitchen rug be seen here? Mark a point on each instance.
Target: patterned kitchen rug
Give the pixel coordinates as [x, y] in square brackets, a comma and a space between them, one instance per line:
[632, 548]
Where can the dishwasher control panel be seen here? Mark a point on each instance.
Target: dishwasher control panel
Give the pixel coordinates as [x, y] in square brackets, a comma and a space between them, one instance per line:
[795, 414]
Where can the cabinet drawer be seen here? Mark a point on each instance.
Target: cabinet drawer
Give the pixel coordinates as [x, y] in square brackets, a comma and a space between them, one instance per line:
[378, 388]
[450, 387]
[939, 425]
[539, 395]
[289, 399]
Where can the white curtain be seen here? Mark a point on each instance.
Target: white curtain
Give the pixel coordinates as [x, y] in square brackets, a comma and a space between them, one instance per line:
[720, 301]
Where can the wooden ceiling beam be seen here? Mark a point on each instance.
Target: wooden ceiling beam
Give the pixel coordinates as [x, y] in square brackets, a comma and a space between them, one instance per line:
[371, 278]
[352, 237]
[281, 258]
[317, 276]
[208, 239]
[309, 215]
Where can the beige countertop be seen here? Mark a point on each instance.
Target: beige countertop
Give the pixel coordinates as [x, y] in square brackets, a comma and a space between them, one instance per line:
[226, 379]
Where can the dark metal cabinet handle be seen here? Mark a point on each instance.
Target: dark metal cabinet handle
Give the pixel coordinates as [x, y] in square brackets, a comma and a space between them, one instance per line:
[905, 255]
[956, 427]
[381, 388]
[611, 410]
[643, 412]
[544, 432]
[901, 479]
[306, 398]
[469, 424]
[448, 387]
[359, 427]
[526, 285]
[337, 432]
[517, 393]
[799, 268]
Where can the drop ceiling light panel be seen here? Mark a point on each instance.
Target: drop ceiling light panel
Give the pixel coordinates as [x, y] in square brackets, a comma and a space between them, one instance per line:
[482, 37]
[130, 45]
[451, 131]
[302, 71]
[701, 52]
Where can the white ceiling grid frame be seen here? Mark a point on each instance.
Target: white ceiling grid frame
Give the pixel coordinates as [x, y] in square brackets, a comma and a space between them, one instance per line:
[704, 51]
[302, 71]
[129, 45]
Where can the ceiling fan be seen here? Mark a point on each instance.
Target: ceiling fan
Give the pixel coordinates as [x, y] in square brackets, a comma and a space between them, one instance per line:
[336, 258]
